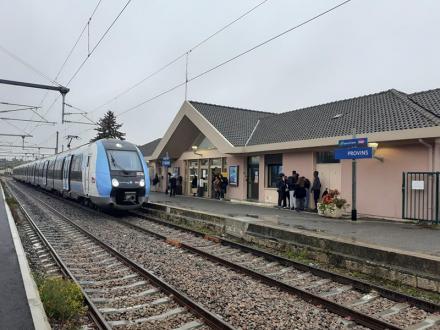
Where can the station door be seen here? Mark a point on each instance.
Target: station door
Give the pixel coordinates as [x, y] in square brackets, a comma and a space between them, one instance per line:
[421, 196]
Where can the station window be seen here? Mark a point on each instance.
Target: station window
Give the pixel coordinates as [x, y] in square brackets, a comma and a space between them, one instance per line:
[274, 166]
[326, 157]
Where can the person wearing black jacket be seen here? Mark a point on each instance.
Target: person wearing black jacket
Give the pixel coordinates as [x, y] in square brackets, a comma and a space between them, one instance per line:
[194, 185]
[316, 188]
[173, 186]
[291, 183]
[281, 189]
[300, 194]
[307, 185]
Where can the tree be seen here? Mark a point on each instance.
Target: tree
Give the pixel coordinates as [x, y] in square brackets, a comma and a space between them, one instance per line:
[108, 128]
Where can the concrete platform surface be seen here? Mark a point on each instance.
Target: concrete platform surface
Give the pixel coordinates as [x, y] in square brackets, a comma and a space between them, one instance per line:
[404, 236]
[14, 308]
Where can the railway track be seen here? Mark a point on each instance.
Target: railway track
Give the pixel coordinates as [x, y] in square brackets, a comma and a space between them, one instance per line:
[373, 306]
[119, 292]
[360, 302]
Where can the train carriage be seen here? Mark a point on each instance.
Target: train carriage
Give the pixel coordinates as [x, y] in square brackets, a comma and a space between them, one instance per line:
[108, 173]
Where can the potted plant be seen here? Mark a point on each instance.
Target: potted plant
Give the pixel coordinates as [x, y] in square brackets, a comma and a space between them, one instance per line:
[332, 205]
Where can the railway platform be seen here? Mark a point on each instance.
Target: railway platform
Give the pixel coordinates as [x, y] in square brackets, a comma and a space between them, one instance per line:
[394, 250]
[20, 305]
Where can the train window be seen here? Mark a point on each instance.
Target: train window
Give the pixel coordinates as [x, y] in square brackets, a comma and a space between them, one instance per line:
[124, 160]
[75, 168]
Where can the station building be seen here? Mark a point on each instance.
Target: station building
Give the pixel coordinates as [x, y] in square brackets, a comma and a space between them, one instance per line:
[252, 147]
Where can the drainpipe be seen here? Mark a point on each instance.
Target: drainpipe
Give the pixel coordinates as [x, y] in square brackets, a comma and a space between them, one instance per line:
[430, 154]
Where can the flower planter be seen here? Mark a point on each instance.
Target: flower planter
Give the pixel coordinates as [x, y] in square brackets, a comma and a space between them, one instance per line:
[335, 213]
[330, 211]
[320, 211]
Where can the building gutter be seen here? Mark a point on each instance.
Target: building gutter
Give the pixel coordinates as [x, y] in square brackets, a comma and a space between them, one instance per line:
[430, 154]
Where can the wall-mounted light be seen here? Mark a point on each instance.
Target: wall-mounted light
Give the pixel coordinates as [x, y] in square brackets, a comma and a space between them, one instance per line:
[194, 149]
[374, 146]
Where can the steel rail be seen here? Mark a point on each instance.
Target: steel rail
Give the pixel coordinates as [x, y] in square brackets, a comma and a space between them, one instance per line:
[210, 318]
[342, 310]
[358, 284]
[94, 313]
[358, 317]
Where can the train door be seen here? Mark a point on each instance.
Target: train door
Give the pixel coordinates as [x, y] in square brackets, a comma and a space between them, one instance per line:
[86, 178]
[46, 172]
[66, 172]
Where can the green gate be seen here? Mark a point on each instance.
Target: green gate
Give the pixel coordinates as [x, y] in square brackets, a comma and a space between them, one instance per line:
[421, 196]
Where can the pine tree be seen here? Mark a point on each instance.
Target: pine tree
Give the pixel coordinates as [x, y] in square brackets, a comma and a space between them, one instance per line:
[108, 128]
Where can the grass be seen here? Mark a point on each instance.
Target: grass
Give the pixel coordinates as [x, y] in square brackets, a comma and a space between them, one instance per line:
[62, 300]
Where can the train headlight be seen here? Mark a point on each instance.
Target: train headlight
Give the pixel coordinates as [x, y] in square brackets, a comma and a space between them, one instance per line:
[142, 183]
[115, 183]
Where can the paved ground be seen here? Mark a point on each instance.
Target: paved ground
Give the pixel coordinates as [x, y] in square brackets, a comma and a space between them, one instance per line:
[14, 308]
[403, 236]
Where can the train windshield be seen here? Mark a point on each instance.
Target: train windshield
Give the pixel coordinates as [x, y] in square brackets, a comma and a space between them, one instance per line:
[124, 160]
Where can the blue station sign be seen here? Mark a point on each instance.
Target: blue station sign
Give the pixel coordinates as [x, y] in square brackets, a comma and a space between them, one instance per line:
[358, 142]
[166, 161]
[354, 153]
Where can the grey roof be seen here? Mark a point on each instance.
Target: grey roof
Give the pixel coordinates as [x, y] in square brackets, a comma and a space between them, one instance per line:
[235, 124]
[430, 100]
[148, 148]
[385, 111]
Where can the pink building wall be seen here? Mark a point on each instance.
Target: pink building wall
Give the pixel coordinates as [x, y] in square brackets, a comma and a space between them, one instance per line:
[240, 191]
[301, 161]
[379, 184]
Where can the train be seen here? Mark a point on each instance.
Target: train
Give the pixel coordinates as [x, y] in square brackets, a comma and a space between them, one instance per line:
[107, 173]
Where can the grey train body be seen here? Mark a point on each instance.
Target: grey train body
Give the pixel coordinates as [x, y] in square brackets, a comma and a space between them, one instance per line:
[109, 173]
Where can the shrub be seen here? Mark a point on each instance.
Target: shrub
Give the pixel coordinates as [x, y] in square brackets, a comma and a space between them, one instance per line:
[62, 300]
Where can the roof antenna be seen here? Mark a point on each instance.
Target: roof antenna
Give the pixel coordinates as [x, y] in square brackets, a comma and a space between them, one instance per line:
[186, 75]
[70, 138]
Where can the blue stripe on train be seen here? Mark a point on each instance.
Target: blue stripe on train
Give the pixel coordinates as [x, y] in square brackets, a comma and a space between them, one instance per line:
[146, 173]
[103, 181]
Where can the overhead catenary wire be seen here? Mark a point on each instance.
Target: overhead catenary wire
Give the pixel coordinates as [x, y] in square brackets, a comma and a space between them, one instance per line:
[99, 42]
[176, 59]
[68, 57]
[236, 57]
[29, 66]
[90, 53]
[64, 64]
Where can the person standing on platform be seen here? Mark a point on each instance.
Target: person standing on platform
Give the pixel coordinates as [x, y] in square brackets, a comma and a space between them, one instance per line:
[168, 183]
[300, 194]
[201, 186]
[179, 187]
[194, 185]
[307, 185]
[217, 187]
[281, 189]
[173, 186]
[316, 188]
[224, 183]
[291, 182]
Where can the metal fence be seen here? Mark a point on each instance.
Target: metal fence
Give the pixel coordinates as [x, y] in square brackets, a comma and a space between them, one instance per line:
[421, 196]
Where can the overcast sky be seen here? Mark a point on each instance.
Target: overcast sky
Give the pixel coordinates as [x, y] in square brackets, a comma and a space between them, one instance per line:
[360, 48]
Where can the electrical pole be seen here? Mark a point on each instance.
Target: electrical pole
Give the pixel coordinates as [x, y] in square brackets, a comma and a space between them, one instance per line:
[63, 90]
[353, 185]
[186, 76]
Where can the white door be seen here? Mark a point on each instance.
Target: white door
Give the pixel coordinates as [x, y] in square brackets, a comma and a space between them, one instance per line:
[330, 176]
[66, 173]
[87, 178]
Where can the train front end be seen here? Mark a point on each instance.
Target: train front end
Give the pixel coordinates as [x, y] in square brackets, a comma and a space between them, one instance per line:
[122, 177]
